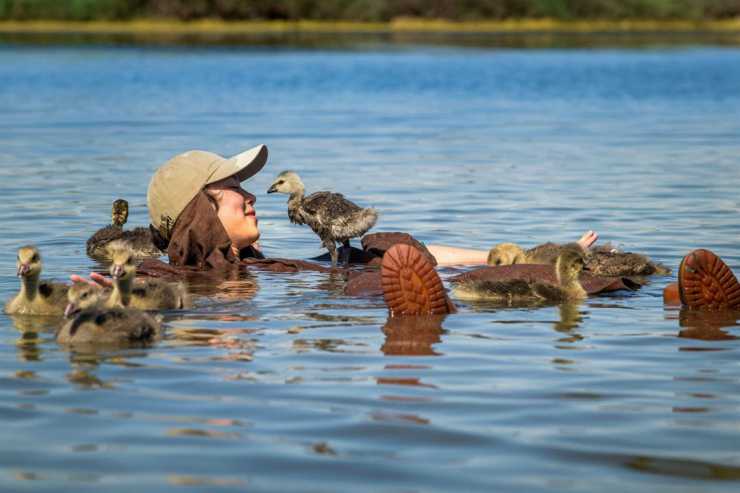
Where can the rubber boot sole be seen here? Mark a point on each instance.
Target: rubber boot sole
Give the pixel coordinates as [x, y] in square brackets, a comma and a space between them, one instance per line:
[411, 286]
[705, 282]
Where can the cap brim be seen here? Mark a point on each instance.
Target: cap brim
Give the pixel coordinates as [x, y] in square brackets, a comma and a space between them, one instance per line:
[250, 162]
[244, 165]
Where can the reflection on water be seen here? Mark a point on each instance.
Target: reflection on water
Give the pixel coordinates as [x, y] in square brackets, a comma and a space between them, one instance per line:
[279, 382]
[412, 336]
[32, 331]
[231, 285]
[686, 469]
[194, 432]
[707, 326]
[86, 378]
[189, 481]
[570, 317]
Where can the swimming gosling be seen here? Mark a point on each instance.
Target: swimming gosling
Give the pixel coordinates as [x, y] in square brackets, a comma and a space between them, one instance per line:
[600, 261]
[507, 254]
[568, 267]
[148, 294]
[35, 297]
[332, 217]
[91, 323]
[139, 239]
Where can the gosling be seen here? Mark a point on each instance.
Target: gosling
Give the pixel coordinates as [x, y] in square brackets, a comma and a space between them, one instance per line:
[140, 240]
[332, 217]
[90, 323]
[600, 261]
[35, 297]
[568, 267]
[149, 294]
[507, 254]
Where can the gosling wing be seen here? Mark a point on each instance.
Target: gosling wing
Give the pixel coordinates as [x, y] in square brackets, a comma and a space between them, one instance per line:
[54, 294]
[97, 243]
[324, 210]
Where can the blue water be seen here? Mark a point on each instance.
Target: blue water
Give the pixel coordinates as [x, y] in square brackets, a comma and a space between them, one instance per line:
[279, 382]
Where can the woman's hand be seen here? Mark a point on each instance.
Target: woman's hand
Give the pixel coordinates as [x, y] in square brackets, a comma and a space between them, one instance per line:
[97, 280]
[588, 239]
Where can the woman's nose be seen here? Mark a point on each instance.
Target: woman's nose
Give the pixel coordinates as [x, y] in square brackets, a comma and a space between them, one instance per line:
[251, 199]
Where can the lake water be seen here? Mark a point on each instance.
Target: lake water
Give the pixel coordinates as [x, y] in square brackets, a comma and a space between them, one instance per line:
[279, 382]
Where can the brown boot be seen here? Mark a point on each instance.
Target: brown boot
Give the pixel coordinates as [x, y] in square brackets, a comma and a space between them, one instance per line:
[671, 295]
[411, 286]
[705, 282]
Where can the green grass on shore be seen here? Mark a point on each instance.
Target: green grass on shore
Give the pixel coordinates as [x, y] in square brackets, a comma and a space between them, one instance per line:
[397, 25]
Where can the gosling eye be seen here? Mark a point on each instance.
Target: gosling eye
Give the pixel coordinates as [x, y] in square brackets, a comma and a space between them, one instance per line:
[84, 295]
[498, 262]
[35, 258]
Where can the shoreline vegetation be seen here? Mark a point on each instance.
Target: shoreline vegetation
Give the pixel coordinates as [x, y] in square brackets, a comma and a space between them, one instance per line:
[234, 17]
[401, 25]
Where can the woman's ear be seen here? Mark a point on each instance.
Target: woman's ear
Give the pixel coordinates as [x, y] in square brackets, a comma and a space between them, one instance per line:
[214, 196]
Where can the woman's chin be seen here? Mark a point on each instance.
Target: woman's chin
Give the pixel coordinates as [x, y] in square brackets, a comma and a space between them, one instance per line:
[247, 239]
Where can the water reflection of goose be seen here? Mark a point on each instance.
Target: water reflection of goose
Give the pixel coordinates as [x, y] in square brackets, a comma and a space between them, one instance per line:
[36, 297]
[32, 330]
[332, 217]
[570, 317]
[568, 267]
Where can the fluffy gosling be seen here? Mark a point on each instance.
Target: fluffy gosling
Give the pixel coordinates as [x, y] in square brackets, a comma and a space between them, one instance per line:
[36, 297]
[332, 217]
[91, 323]
[568, 267]
[149, 294]
[600, 261]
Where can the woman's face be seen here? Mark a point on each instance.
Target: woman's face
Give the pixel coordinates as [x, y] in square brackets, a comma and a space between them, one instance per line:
[236, 211]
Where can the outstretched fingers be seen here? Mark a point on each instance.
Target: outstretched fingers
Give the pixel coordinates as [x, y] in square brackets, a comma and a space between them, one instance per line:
[588, 239]
[97, 280]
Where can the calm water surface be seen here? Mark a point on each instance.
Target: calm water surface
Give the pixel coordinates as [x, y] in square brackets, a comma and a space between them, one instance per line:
[281, 383]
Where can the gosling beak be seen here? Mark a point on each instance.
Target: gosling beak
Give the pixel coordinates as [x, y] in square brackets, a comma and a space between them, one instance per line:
[272, 189]
[70, 310]
[116, 271]
[23, 270]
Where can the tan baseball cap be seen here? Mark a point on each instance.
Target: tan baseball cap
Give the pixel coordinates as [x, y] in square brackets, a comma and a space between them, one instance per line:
[180, 179]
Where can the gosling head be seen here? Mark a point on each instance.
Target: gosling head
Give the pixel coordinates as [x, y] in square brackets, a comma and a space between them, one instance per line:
[28, 263]
[287, 182]
[81, 296]
[122, 267]
[569, 265]
[119, 215]
[506, 254]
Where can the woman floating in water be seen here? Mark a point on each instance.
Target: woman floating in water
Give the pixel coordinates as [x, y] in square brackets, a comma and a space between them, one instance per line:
[206, 221]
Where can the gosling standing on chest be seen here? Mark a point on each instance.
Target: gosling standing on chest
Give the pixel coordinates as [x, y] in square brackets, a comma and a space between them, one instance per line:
[332, 217]
[36, 297]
